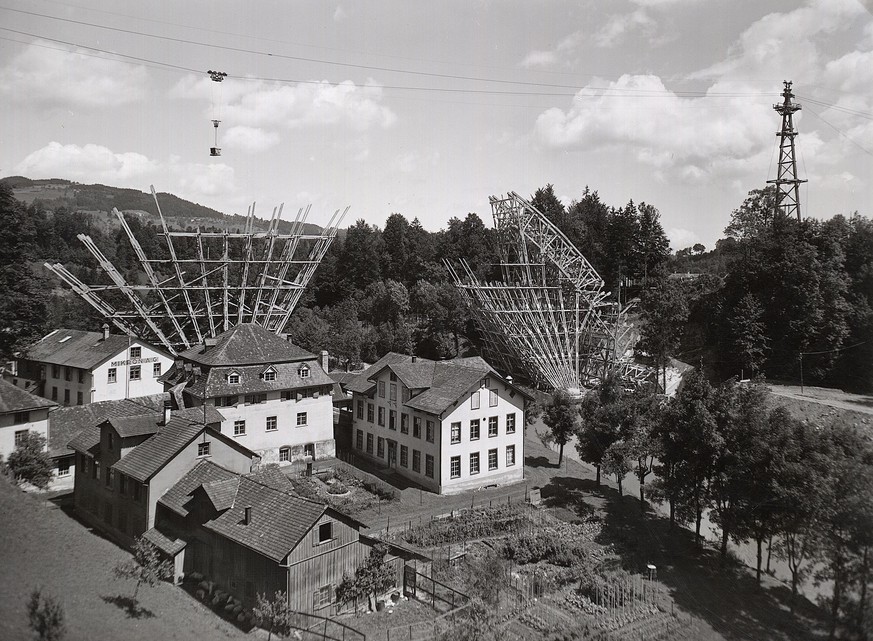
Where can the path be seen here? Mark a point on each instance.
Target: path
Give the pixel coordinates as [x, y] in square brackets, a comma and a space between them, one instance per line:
[825, 396]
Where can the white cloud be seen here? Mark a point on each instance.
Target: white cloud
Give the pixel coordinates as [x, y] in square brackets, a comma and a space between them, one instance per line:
[201, 180]
[88, 163]
[539, 59]
[620, 25]
[681, 238]
[43, 76]
[249, 139]
[268, 104]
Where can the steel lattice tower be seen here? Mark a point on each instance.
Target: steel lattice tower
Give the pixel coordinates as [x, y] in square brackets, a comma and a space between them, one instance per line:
[787, 183]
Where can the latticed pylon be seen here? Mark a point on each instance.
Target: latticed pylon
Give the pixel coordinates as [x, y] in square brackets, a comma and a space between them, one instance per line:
[786, 181]
[548, 320]
[209, 282]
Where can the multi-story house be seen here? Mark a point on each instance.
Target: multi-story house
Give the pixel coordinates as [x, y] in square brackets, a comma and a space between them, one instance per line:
[21, 412]
[447, 425]
[73, 367]
[124, 465]
[275, 397]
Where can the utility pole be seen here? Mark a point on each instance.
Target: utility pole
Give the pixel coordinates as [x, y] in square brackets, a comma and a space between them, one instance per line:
[786, 181]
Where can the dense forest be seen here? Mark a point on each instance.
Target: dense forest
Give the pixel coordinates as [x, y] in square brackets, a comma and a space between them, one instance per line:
[769, 291]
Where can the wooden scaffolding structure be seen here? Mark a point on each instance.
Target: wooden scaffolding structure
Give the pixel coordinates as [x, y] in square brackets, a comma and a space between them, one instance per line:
[209, 281]
[548, 319]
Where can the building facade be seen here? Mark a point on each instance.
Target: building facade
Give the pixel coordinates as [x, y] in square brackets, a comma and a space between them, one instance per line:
[74, 367]
[449, 426]
[275, 397]
[21, 412]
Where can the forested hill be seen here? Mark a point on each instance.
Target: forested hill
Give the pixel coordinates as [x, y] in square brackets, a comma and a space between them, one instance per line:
[54, 193]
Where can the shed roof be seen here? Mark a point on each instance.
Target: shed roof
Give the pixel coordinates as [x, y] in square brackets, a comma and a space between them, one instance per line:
[77, 348]
[246, 344]
[165, 544]
[80, 423]
[15, 399]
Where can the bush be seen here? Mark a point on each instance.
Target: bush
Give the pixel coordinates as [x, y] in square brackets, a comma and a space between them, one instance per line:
[337, 487]
[475, 524]
[543, 546]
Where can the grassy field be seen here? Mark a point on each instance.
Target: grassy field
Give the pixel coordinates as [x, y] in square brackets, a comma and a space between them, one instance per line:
[44, 546]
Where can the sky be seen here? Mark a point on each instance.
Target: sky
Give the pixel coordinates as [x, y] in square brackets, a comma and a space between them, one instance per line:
[428, 108]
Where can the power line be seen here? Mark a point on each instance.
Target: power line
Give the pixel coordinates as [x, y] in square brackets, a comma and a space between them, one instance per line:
[841, 132]
[831, 351]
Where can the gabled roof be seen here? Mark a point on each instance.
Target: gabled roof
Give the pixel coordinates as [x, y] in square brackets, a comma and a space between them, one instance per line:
[362, 384]
[165, 544]
[76, 348]
[80, 423]
[246, 344]
[450, 383]
[205, 472]
[143, 461]
[416, 375]
[214, 382]
[222, 493]
[15, 399]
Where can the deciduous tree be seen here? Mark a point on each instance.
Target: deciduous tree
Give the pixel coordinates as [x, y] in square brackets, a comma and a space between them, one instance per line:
[147, 567]
[272, 613]
[29, 462]
[561, 416]
[45, 616]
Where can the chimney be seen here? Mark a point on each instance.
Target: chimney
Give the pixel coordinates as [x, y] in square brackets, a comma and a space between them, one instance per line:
[105, 331]
[508, 378]
[414, 358]
[168, 411]
[209, 343]
[324, 360]
[247, 517]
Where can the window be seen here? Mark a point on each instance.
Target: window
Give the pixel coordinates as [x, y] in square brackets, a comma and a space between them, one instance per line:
[111, 375]
[369, 412]
[381, 417]
[416, 426]
[456, 432]
[416, 461]
[360, 410]
[404, 424]
[321, 597]
[20, 435]
[492, 459]
[285, 454]
[393, 376]
[111, 440]
[309, 450]
[286, 395]
[66, 397]
[380, 447]
[135, 372]
[81, 375]
[325, 532]
[272, 424]
[474, 429]
[302, 393]
[381, 389]
[510, 423]
[301, 419]
[370, 444]
[136, 352]
[474, 463]
[95, 470]
[485, 383]
[455, 467]
[80, 399]
[359, 442]
[203, 449]
[270, 375]
[68, 371]
[428, 466]
[54, 393]
[429, 431]
[404, 456]
[510, 455]
[64, 466]
[492, 398]
[492, 426]
[107, 477]
[156, 370]
[256, 399]
[226, 401]
[21, 417]
[233, 378]
[392, 420]
[394, 392]
[239, 428]
[474, 400]
[122, 484]
[406, 394]
[303, 372]
[56, 371]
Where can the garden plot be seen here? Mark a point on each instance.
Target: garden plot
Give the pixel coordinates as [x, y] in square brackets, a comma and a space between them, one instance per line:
[341, 490]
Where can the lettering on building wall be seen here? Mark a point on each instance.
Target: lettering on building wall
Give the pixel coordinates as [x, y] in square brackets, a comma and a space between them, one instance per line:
[134, 361]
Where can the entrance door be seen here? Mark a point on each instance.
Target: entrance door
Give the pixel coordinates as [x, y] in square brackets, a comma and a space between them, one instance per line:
[392, 453]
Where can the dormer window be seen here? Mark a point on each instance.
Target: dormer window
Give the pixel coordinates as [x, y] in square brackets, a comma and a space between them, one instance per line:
[233, 378]
[485, 383]
[269, 375]
[303, 371]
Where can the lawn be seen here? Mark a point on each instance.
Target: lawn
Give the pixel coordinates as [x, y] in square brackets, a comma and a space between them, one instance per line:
[44, 546]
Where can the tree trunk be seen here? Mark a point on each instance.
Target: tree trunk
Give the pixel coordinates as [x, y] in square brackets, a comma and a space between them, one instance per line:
[759, 540]
[793, 590]
[620, 493]
[769, 550]
[725, 533]
[597, 480]
[560, 453]
[865, 576]
[136, 590]
[837, 595]
[642, 498]
[698, 519]
[672, 515]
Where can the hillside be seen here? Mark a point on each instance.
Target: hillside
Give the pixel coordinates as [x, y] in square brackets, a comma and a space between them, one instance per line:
[179, 213]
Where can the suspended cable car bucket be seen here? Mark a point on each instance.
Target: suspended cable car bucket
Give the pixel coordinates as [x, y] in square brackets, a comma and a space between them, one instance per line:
[216, 76]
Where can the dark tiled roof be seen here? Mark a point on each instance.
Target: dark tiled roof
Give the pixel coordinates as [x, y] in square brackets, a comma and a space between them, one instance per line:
[178, 496]
[272, 476]
[222, 493]
[246, 344]
[168, 546]
[279, 520]
[137, 425]
[85, 350]
[15, 399]
[414, 375]
[214, 382]
[450, 382]
[361, 382]
[80, 423]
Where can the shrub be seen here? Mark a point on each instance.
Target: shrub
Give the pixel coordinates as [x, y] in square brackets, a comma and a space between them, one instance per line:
[337, 487]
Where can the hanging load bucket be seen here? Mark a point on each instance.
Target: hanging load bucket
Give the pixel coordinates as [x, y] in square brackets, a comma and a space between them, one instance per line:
[215, 76]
